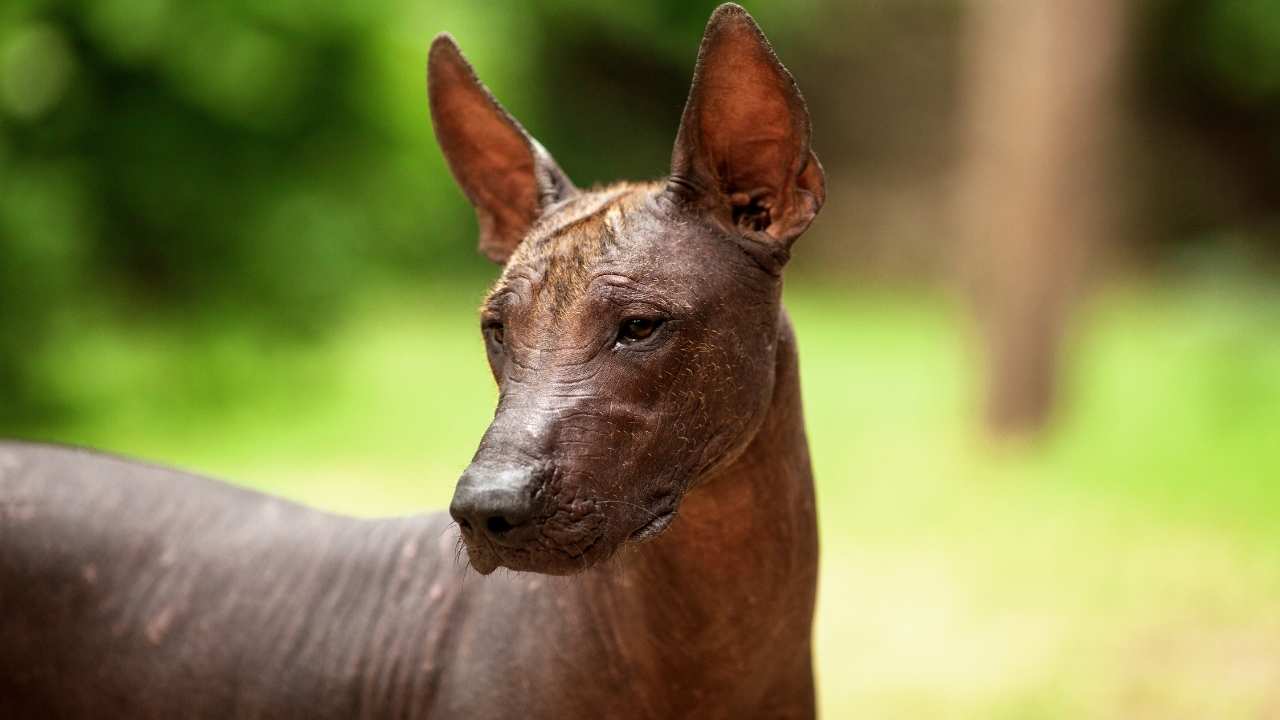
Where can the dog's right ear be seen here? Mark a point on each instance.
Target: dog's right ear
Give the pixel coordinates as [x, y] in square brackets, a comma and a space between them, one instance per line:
[743, 146]
[506, 174]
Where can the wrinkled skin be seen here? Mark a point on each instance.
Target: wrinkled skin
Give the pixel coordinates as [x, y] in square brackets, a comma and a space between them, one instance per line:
[633, 330]
[619, 430]
[648, 442]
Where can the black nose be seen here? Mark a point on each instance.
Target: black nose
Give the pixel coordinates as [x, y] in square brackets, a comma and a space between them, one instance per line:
[495, 502]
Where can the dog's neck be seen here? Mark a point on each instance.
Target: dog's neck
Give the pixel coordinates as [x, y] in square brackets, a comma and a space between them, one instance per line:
[729, 589]
[753, 518]
[711, 619]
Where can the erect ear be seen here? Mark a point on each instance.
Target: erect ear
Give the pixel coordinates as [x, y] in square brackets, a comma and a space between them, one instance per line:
[743, 146]
[506, 174]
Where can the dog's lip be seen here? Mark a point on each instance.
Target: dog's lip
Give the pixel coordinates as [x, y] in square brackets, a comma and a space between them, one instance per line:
[654, 527]
[484, 562]
[486, 556]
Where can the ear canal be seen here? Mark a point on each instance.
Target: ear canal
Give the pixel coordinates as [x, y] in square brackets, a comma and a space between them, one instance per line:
[506, 174]
[742, 150]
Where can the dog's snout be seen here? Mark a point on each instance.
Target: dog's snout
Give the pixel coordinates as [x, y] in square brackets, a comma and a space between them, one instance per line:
[496, 503]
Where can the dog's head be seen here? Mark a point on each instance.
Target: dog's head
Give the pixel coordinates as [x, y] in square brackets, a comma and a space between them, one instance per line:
[632, 332]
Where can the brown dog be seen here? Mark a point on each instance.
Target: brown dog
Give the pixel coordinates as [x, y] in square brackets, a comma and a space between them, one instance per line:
[648, 441]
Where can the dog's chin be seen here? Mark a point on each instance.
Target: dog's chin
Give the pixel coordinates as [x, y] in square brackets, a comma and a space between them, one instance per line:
[486, 558]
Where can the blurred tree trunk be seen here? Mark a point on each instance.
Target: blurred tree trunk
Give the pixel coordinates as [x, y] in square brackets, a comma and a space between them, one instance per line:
[1040, 87]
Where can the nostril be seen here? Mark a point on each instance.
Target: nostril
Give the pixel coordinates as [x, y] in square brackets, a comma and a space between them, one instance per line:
[498, 525]
[495, 504]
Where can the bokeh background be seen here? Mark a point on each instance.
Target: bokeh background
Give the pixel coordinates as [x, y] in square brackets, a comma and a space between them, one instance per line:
[1039, 316]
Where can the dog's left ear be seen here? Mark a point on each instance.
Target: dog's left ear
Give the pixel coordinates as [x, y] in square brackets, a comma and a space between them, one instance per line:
[506, 174]
[743, 147]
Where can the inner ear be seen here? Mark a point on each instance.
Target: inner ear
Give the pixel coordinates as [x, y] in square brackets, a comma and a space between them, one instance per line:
[743, 145]
[751, 211]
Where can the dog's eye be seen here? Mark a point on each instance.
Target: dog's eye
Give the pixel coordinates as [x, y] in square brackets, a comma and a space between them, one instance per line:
[637, 329]
[494, 331]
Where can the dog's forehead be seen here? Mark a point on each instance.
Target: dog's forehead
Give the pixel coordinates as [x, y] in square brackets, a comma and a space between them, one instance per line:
[567, 245]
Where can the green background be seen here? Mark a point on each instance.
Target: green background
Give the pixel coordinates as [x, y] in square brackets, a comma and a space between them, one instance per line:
[227, 242]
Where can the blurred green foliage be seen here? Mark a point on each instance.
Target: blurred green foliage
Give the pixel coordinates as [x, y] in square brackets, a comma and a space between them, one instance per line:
[227, 241]
[199, 161]
[1228, 49]
[261, 164]
[1211, 71]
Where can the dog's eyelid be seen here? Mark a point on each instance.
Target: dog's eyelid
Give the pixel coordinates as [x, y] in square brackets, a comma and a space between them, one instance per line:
[498, 304]
[640, 310]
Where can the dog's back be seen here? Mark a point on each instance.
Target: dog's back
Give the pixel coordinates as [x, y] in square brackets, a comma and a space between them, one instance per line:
[130, 590]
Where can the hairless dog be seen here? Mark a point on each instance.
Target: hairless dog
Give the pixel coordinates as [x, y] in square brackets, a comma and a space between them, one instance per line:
[648, 443]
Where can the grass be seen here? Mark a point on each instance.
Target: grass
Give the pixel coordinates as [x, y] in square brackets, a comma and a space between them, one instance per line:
[1127, 566]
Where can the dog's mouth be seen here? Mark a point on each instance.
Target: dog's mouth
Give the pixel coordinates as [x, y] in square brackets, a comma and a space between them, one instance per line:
[485, 555]
[654, 527]
[565, 548]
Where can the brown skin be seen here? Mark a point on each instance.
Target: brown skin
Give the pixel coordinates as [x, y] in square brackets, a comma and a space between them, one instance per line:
[633, 331]
[648, 441]
[619, 426]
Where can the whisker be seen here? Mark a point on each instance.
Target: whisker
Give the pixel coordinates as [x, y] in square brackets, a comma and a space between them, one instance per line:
[652, 515]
